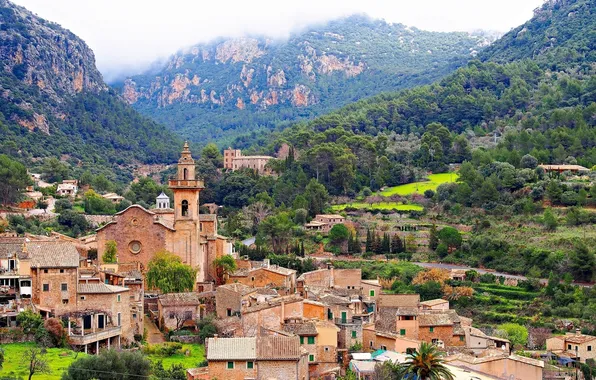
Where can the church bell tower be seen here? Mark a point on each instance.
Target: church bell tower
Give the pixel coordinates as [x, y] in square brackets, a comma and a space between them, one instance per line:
[186, 189]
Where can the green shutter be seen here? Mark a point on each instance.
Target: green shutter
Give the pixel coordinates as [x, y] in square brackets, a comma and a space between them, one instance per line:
[461, 338]
[353, 334]
[311, 340]
[372, 293]
[311, 358]
[402, 332]
[432, 329]
[250, 365]
[230, 365]
[301, 340]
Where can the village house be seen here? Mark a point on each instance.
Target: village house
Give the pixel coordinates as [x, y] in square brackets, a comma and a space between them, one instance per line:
[230, 299]
[133, 280]
[177, 310]
[113, 197]
[324, 222]
[436, 304]
[271, 276]
[500, 365]
[377, 339]
[576, 346]
[140, 233]
[564, 168]
[477, 341]
[68, 188]
[234, 160]
[263, 357]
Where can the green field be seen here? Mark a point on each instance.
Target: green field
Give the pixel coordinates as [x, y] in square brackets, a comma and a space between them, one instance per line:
[434, 180]
[379, 206]
[60, 358]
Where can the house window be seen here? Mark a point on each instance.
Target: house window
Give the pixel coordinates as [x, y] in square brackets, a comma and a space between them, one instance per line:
[119, 319]
[61, 270]
[250, 365]
[46, 287]
[569, 347]
[230, 365]
[301, 340]
[134, 315]
[432, 329]
[371, 344]
[384, 348]
[589, 348]
[118, 298]
[65, 302]
[64, 287]
[311, 340]
[172, 315]
[461, 338]
[45, 271]
[229, 312]
[252, 278]
[311, 358]
[82, 298]
[372, 293]
[353, 334]
[184, 208]
[402, 332]
[326, 349]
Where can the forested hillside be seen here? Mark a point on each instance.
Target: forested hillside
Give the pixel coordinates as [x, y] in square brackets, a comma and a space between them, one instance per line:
[229, 87]
[54, 103]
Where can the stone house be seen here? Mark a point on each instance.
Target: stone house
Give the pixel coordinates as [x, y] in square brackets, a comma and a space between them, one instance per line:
[68, 188]
[102, 317]
[133, 280]
[271, 276]
[441, 328]
[15, 270]
[330, 278]
[263, 357]
[234, 160]
[139, 233]
[324, 222]
[478, 341]
[113, 197]
[230, 299]
[374, 339]
[177, 310]
[500, 365]
[574, 345]
[437, 304]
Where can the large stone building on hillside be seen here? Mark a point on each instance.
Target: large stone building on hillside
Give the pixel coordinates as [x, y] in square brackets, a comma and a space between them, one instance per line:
[234, 160]
[140, 233]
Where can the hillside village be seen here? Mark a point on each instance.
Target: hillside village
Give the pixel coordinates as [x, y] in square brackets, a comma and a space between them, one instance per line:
[260, 320]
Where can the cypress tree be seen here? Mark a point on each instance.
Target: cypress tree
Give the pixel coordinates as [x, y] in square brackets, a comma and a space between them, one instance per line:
[357, 247]
[385, 244]
[302, 249]
[433, 240]
[369, 241]
[396, 244]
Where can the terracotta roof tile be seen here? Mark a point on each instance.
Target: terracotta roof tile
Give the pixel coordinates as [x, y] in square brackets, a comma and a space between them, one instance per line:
[50, 254]
[278, 348]
[231, 349]
[179, 299]
[100, 288]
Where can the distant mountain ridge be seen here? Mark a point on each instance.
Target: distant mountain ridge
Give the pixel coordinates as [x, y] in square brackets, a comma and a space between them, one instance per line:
[230, 86]
[54, 102]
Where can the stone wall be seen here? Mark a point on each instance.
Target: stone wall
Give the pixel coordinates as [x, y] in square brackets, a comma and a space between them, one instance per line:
[54, 298]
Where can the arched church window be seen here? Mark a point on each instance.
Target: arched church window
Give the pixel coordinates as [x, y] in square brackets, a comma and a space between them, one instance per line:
[184, 207]
[185, 173]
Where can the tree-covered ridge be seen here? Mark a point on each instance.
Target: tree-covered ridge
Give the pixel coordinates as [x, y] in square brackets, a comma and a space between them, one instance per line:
[561, 33]
[54, 103]
[229, 87]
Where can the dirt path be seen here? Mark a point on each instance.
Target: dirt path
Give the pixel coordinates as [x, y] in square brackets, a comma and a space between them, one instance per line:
[153, 333]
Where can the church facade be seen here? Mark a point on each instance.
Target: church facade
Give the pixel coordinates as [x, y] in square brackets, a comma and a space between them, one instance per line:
[140, 233]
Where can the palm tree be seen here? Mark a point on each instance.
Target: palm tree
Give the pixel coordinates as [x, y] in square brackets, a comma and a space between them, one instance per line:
[424, 364]
[224, 265]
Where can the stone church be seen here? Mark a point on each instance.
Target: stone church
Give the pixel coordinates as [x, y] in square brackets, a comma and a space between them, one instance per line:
[140, 233]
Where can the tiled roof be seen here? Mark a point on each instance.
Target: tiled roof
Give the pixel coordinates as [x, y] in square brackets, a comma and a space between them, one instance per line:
[439, 319]
[179, 299]
[99, 288]
[238, 288]
[301, 328]
[278, 348]
[207, 217]
[51, 254]
[398, 300]
[10, 246]
[579, 339]
[274, 302]
[330, 299]
[435, 302]
[231, 349]
[406, 311]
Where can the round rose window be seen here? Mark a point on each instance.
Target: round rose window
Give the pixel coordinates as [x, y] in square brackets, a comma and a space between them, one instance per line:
[135, 247]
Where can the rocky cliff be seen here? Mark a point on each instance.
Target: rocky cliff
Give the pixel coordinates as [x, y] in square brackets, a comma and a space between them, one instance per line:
[212, 87]
[54, 102]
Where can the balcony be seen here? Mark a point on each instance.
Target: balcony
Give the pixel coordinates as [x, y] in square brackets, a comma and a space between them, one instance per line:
[347, 321]
[186, 183]
[90, 336]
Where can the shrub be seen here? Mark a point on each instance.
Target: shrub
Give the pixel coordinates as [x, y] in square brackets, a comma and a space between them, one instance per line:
[56, 332]
[487, 278]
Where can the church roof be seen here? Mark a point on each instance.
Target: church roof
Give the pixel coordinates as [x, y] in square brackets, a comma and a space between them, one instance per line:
[163, 196]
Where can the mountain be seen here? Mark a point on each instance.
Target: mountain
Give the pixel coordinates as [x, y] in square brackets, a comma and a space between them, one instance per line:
[561, 32]
[233, 86]
[54, 102]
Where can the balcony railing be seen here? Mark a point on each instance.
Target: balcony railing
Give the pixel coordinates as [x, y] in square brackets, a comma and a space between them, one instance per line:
[90, 337]
[190, 183]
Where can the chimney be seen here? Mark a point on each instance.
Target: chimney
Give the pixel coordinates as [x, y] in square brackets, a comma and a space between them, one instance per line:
[578, 332]
[215, 336]
[267, 262]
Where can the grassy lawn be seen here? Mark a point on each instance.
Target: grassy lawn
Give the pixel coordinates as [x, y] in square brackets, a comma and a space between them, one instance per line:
[379, 206]
[58, 358]
[196, 355]
[434, 180]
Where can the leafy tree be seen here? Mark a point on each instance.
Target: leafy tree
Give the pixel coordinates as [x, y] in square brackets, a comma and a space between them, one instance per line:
[110, 255]
[167, 273]
[528, 161]
[95, 204]
[582, 263]
[54, 170]
[517, 334]
[316, 195]
[211, 153]
[13, 180]
[433, 240]
[104, 366]
[73, 222]
[300, 216]
[176, 371]
[102, 184]
[36, 362]
[397, 245]
[549, 220]
[224, 265]
[207, 328]
[339, 234]
[425, 363]
[29, 321]
[429, 290]
[278, 228]
[450, 237]
[62, 204]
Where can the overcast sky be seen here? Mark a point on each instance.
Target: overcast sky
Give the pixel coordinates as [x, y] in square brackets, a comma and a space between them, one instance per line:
[127, 35]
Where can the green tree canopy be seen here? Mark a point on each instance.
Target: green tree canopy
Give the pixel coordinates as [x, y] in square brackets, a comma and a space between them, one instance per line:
[167, 273]
[13, 180]
[110, 255]
[108, 365]
[517, 334]
[224, 265]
